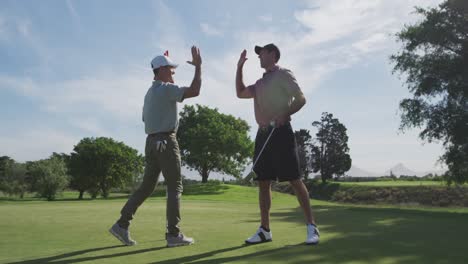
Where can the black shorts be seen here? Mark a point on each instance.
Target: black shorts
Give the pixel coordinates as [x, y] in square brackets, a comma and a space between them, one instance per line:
[279, 160]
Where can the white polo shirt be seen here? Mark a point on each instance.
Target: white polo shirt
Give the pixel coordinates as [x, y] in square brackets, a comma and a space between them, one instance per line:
[160, 113]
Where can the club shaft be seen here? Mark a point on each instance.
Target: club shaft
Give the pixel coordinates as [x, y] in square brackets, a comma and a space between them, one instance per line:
[264, 145]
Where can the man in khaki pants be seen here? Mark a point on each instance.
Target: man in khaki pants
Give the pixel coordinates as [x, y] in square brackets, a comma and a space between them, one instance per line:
[162, 153]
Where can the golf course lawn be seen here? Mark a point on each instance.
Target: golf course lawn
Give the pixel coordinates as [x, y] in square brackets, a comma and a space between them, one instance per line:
[220, 217]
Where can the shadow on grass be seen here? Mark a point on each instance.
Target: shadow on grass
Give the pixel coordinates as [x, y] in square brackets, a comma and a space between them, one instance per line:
[367, 235]
[249, 258]
[190, 259]
[373, 235]
[15, 199]
[61, 259]
[59, 199]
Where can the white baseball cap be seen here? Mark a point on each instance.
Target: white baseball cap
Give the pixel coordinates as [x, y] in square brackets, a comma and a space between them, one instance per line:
[161, 60]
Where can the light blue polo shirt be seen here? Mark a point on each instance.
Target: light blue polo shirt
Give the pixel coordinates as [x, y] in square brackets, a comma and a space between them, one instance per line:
[160, 112]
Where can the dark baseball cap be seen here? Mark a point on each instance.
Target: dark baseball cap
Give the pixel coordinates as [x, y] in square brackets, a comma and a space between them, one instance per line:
[269, 47]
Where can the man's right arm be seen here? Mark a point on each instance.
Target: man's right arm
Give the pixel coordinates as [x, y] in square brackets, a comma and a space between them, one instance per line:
[241, 90]
[194, 89]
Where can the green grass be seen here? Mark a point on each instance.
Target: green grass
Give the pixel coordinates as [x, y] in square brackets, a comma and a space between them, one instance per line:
[64, 196]
[220, 217]
[395, 183]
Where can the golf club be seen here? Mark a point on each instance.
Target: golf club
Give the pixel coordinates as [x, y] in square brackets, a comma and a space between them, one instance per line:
[264, 145]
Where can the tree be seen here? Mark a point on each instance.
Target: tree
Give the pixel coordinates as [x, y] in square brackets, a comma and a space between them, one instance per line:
[64, 157]
[434, 61]
[82, 168]
[50, 176]
[5, 165]
[330, 148]
[304, 143]
[5, 162]
[211, 141]
[99, 164]
[13, 177]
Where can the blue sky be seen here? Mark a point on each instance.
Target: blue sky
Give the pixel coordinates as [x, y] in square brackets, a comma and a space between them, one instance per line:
[74, 69]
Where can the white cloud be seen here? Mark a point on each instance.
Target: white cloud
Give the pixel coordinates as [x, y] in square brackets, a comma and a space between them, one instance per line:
[24, 28]
[3, 27]
[373, 43]
[210, 30]
[12, 27]
[169, 28]
[71, 8]
[355, 19]
[37, 143]
[16, 29]
[266, 18]
[24, 86]
[110, 95]
[90, 125]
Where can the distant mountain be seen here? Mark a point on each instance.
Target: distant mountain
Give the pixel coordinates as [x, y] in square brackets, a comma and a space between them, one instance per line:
[358, 172]
[397, 170]
[400, 169]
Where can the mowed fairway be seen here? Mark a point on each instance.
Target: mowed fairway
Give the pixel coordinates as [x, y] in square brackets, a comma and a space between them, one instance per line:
[220, 217]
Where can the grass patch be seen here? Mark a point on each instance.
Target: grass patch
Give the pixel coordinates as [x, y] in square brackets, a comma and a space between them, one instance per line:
[220, 218]
[425, 195]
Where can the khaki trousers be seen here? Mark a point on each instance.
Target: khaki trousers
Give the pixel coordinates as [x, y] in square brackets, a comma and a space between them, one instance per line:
[166, 161]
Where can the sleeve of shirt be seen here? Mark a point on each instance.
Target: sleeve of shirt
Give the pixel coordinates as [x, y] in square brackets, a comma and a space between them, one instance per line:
[251, 89]
[290, 82]
[176, 93]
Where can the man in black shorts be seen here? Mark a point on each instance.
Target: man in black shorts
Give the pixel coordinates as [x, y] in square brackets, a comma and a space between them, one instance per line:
[276, 96]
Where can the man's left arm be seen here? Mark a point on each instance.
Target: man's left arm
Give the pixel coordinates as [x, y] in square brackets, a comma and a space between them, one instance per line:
[298, 102]
[295, 92]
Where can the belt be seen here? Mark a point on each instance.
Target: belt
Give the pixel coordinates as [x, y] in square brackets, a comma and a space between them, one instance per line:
[268, 128]
[264, 129]
[161, 134]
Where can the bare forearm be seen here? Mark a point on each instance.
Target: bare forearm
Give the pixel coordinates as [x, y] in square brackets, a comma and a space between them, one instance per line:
[296, 105]
[196, 83]
[240, 86]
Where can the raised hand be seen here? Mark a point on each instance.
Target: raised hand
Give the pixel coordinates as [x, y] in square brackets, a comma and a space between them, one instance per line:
[242, 59]
[196, 58]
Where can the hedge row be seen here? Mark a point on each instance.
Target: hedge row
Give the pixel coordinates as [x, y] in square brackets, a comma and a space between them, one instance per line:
[409, 195]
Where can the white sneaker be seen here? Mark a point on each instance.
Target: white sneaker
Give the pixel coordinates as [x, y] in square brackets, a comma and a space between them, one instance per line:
[179, 240]
[261, 236]
[313, 235]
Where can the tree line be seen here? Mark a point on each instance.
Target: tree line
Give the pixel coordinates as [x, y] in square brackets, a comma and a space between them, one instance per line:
[96, 165]
[210, 141]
